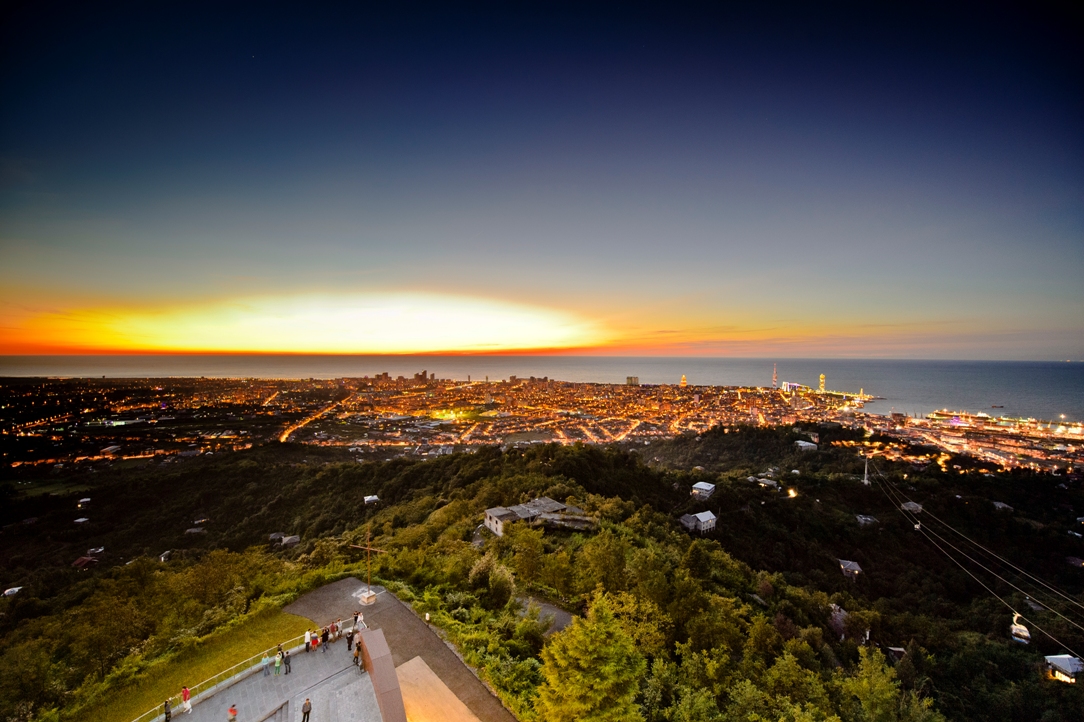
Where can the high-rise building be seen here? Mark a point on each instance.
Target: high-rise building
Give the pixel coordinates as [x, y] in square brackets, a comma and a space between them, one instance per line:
[822, 384]
[684, 383]
[632, 380]
[775, 377]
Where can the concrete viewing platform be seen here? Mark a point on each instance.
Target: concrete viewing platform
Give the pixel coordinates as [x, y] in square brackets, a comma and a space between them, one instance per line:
[435, 683]
[408, 636]
[338, 691]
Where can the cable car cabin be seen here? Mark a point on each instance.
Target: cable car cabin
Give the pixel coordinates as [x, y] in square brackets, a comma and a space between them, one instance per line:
[1018, 631]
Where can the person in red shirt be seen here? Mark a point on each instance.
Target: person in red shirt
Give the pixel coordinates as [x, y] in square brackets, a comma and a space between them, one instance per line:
[186, 697]
[231, 713]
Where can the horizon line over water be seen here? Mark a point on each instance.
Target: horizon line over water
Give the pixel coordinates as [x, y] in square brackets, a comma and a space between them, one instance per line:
[1030, 389]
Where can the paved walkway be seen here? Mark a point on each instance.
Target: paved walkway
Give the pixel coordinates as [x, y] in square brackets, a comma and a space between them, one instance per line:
[408, 637]
[339, 691]
[561, 618]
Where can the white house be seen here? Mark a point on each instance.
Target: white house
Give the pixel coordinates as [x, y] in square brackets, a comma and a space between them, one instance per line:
[702, 522]
[805, 445]
[497, 517]
[1064, 667]
[703, 490]
[541, 509]
[851, 570]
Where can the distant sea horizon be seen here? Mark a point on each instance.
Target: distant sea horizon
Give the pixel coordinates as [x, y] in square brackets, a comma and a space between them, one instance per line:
[1029, 389]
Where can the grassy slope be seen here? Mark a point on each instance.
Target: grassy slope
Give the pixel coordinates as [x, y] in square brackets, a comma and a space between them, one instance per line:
[214, 653]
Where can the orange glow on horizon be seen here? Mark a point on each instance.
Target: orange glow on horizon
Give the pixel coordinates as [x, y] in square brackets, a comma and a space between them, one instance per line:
[412, 323]
[398, 323]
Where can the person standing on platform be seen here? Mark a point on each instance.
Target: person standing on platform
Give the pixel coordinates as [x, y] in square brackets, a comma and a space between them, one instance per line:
[186, 699]
[286, 661]
[308, 639]
[231, 713]
[305, 709]
[356, 619]
[323, 638]
[266, 661]
[278, 663]
[167, 710]
[356, 655]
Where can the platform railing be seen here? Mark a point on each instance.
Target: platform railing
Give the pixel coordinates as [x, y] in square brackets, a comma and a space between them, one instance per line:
[208, 685]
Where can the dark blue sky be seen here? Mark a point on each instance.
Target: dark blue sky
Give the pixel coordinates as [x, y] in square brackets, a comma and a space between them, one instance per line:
[835, 180]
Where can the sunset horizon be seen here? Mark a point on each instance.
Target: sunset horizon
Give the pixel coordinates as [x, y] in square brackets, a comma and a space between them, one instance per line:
[587, 361]
[683, 181]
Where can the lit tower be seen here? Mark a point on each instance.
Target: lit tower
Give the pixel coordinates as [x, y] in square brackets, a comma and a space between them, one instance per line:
[822, 384]
[684, 383]
[775, 378]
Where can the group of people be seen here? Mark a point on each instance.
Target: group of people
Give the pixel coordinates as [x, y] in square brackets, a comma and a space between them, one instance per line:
[314, 639]
[319, 639]
[186, 704]
[281, 660]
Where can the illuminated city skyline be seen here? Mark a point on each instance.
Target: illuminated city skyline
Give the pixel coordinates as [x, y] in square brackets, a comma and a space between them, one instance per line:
[859, 182]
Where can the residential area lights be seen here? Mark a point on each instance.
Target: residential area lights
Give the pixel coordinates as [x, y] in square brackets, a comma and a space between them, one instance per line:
[104, 421]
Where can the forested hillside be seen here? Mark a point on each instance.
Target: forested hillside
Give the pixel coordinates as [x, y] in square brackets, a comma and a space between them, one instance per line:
[737, 625]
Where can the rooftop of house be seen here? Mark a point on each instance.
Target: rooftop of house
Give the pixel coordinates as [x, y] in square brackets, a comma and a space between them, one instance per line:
[532, 509]
[1067, 663]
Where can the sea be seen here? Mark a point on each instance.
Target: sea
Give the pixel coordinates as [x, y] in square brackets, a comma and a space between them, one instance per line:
[1051, 391]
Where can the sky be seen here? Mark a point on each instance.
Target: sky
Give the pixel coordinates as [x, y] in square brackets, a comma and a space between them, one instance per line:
[901, 180]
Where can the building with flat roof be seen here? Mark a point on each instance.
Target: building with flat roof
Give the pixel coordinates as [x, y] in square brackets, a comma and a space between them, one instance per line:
[542, 510]
[1064, 668]
[703, 490]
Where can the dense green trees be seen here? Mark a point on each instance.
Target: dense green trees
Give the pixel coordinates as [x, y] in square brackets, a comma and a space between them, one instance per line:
[590, 671]
[718, 639]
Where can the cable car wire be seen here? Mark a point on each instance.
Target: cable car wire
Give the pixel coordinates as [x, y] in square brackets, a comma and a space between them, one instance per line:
[1036, 579]
[918, 527]
[985, 568]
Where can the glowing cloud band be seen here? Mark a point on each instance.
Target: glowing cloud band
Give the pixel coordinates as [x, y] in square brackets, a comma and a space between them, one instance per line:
[399, 323]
